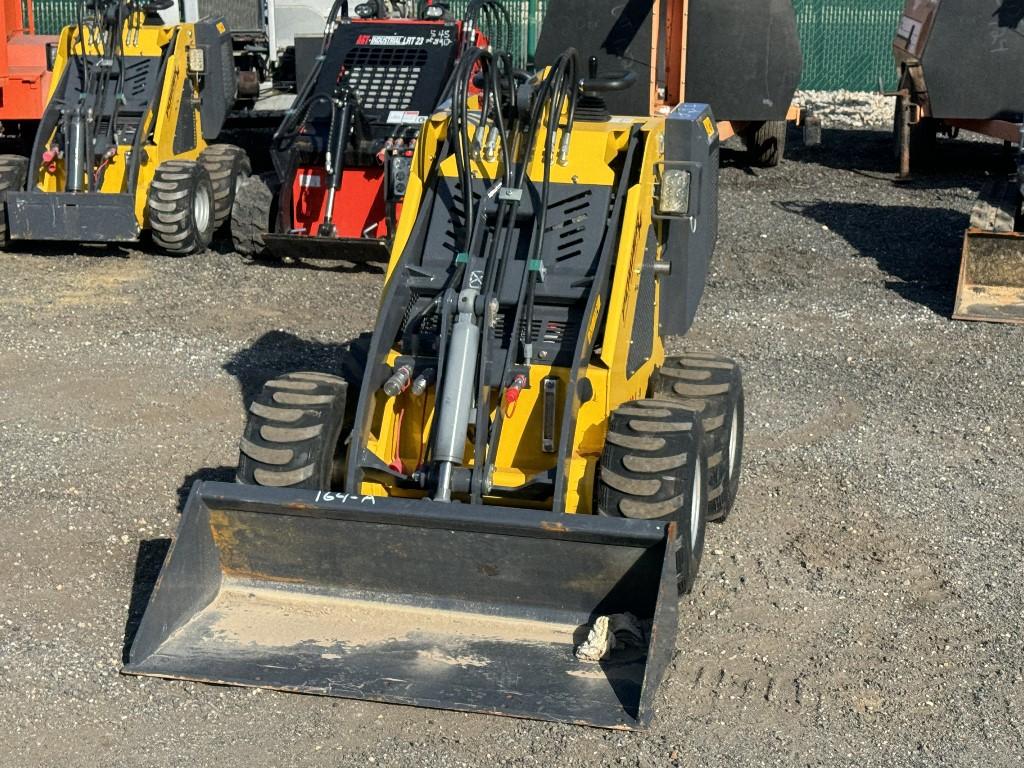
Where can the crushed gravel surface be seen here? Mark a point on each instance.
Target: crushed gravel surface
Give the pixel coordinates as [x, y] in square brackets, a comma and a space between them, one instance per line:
[849, 109]
[862, 607]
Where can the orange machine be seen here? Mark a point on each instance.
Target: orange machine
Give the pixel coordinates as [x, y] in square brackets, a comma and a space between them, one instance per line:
[24, 77]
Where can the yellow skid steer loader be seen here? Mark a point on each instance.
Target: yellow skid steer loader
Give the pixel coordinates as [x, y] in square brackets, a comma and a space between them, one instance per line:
[122, 147]
[502, 514]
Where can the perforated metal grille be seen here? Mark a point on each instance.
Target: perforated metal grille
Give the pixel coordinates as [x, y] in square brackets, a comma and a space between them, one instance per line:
[241, 15]
[569, 228]
[384, 77]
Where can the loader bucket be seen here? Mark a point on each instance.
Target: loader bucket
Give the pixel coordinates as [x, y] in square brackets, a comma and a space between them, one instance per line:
[303, 248]
[991, 285]
[449, 606]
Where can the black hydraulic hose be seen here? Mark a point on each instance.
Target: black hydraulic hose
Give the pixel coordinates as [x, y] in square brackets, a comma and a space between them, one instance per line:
[554, 118]
[551, 94]
[552, 91]
[117, 51]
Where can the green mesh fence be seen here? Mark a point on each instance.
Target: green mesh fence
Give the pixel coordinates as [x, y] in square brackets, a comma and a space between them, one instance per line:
[847, 43]
[53, 15]
[519, 46]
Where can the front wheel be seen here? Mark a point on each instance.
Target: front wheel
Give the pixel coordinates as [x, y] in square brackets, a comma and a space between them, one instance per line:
[655, 467]
[181, 207]
[295, 434]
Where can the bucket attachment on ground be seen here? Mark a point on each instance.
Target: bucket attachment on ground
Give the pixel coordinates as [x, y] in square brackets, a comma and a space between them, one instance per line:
[305, 248]
[991, 285]
[453, 606]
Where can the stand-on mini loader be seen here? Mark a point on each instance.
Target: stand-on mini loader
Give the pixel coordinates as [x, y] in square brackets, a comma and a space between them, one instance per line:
[960, 63]
[122, 146]
[342, 153]
[500, 515]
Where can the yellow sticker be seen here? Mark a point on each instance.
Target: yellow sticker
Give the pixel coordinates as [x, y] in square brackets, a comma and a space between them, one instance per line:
[709, 126]
[221, 28]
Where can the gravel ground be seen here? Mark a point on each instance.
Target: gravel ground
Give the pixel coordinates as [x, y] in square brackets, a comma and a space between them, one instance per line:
[862, 607]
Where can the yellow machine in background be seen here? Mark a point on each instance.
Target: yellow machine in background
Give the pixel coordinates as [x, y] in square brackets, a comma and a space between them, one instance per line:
[504, 518]
[123, 146]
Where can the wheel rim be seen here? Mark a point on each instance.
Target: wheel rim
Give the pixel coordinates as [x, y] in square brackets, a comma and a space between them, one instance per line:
[734, 432]
[201, 207]
[695, 502]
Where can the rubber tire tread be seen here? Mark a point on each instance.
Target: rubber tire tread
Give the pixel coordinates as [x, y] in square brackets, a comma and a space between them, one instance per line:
[251, 217]
[766, 143]
[315, 461]
[225, 163]
[623, 487]
[13, 176]
[717, 411]
[176, 231]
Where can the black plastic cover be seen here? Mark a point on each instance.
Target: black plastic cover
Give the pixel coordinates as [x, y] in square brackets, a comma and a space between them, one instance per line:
[971, 54]
[691, 137]
[743, 56]
[219, 85]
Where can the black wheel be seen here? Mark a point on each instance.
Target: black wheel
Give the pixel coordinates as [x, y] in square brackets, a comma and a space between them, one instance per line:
[766, 143]
[714, 386]
[181, 207]
[228, 167]
[655, 467]
[251, 216]
[13, 175]
[294, 435]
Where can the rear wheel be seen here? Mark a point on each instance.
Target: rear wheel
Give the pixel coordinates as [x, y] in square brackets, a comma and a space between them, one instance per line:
[294, 435]
[13, 174]
[228, 167]
[251, 216]
[654, 467]
[181, 207]
[714, 386]
[766, 143]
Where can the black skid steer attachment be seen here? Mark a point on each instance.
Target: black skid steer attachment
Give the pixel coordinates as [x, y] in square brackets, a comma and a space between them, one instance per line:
[453, 606]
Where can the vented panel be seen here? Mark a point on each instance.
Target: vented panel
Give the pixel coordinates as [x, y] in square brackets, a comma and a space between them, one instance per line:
[241, 15]
[385, 77]
[569, 230]
[136, 80]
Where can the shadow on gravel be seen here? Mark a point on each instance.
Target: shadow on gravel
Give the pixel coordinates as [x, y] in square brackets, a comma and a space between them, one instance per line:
[871, 152]
[218, 474]
[278, 352]
[337, 266]
[147, 568]
[919, 246]
[272, 355]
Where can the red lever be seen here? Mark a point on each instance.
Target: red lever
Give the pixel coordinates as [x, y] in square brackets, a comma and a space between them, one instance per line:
[512, 394]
